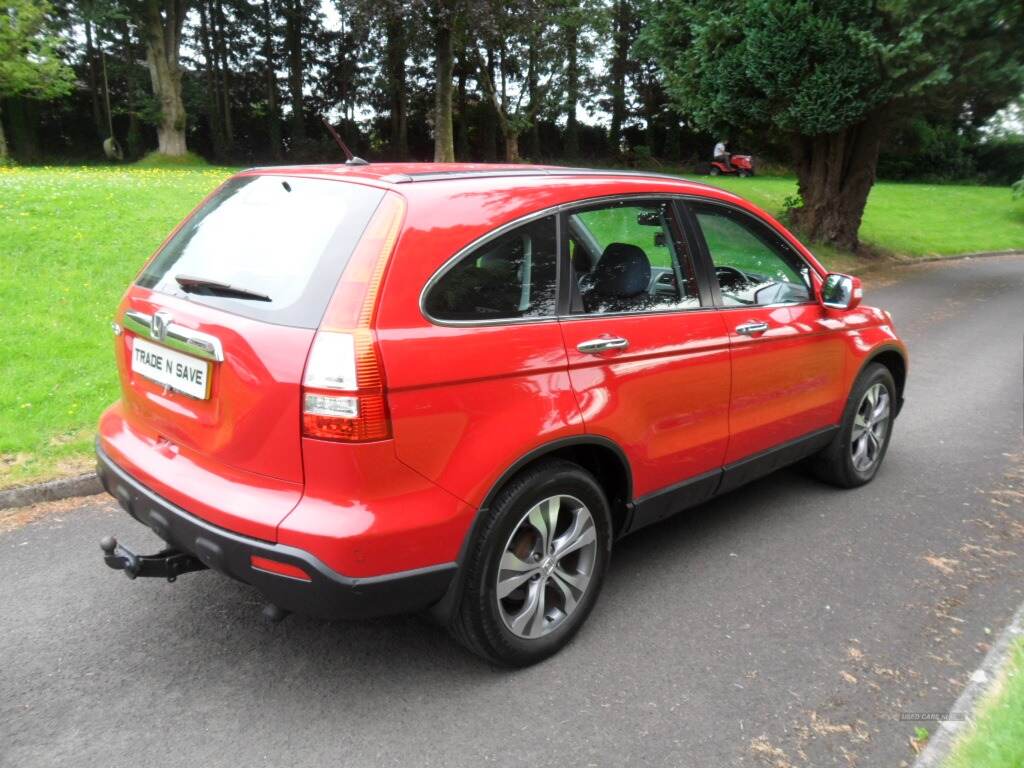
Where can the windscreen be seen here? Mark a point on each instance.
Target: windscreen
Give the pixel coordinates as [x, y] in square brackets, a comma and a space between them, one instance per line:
[266, 247]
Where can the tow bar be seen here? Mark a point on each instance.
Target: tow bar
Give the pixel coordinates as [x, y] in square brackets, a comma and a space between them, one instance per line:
[167, 564]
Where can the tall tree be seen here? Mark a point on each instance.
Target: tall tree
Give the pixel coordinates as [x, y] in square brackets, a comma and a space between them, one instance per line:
[161, 23]
[623, 34]
[516, 37]
[266, 33]
[579, 24]
[463, 71]
[442, 14]
[830, 77]
[572, 89]
[132, 88]
[294, 14]
[396, 49]
[222, 54]
[92, 70]
[508, 107]
[212, 83]
[29, 62]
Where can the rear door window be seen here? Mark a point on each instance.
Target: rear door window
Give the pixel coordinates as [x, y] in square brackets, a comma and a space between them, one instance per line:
[628, 257]
[281, 242]
[509, 277]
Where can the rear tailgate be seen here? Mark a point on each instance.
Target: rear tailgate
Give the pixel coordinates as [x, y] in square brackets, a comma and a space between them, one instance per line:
[211, 377]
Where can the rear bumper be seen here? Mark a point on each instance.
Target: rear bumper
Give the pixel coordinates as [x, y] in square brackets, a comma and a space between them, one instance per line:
[327, 594]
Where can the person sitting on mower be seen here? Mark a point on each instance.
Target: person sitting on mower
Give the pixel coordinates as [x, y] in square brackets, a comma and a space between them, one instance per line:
[721, 155]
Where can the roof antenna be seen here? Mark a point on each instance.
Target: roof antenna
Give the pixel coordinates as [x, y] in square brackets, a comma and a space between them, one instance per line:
[350, 159]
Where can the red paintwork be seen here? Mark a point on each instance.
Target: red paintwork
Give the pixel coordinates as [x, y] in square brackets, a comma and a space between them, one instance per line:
[635, 396]
[466, 403]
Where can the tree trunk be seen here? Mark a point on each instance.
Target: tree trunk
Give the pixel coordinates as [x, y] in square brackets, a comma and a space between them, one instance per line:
[222, 52]
[444, 146]
[213, 118]
[487, 117]
[273, 118]
[93, 79]
[673, 138]
[133, 142]
[511, 146]
[23, 128]
[462, 123]
[395, 56]
[293, 44]
[163, 41]
[533, 108]
[620, 61]
[572, 88]
[835, 173]
[508, 126]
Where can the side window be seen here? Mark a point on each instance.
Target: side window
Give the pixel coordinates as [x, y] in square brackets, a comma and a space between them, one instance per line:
[511, 276]
[752, 264]
[633, 260]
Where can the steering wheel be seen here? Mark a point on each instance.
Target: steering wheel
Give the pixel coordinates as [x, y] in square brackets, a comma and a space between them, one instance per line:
[730, 278]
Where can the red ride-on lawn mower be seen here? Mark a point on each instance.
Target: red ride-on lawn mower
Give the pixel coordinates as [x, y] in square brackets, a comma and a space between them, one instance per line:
[741, 165]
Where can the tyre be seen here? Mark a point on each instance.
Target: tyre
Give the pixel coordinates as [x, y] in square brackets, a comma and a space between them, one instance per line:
[744, 173]
[858, 448]
[536, 568]
[715, 171]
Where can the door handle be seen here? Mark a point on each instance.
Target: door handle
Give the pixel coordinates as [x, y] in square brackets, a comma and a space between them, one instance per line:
[749, 329]
[597, 346]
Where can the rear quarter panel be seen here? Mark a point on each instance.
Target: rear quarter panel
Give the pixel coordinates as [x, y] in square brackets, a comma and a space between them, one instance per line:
[466, 401]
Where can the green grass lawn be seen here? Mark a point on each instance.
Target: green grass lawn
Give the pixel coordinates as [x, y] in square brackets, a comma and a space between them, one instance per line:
[996, 739]
[915, 220]
[71, 239]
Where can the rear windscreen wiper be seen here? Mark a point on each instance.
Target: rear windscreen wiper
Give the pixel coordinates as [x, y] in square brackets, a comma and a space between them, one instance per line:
[206, 287]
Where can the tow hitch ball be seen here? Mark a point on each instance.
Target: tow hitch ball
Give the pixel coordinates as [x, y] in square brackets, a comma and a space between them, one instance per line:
[167, 564]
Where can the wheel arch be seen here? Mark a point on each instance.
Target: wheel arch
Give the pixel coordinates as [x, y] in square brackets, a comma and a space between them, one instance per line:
[599, 455]
[602, 457]
[895, 360]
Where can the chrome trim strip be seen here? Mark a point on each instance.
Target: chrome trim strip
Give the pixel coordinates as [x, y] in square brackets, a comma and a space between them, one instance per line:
[553, 210]
[591, 201]
[452, 261]
[177, 337]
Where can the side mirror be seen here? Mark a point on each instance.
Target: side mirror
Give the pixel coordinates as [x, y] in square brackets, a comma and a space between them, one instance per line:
[841, 291]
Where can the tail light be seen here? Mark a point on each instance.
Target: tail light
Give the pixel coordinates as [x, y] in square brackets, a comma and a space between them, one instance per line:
[343, 386]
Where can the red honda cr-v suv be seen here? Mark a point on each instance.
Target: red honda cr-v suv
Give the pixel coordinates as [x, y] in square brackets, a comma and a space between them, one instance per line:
[387, 388]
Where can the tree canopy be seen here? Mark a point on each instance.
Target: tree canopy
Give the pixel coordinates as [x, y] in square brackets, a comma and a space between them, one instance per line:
[824, 86]
[829, 77]
[29, 60]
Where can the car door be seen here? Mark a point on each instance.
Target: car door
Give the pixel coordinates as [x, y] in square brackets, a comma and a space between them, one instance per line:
[787, 364]
[648, 353]
[477, 374]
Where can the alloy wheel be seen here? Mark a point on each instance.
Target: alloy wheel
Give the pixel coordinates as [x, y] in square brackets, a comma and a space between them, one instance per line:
[546, 566]
[870, 428]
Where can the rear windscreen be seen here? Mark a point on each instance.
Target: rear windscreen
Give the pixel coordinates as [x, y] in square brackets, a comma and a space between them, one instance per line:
[266, 247]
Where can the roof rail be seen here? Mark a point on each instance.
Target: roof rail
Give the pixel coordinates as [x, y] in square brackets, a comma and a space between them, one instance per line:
[412, 178]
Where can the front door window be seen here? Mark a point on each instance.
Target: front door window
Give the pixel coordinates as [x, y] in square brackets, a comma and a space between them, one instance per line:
[752, 263]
